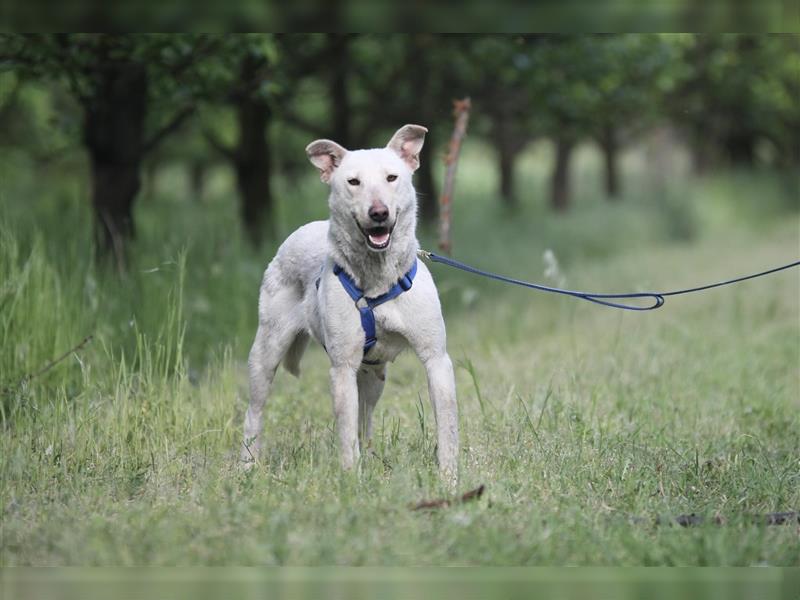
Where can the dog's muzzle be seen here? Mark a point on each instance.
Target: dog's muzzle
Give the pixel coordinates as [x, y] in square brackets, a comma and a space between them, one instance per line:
[378, 237]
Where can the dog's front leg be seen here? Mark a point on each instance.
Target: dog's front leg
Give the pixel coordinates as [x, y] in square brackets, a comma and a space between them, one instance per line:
[344, 388]
[442, 390]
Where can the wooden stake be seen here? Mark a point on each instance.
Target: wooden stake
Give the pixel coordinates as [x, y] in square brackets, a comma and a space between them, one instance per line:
[461, 110]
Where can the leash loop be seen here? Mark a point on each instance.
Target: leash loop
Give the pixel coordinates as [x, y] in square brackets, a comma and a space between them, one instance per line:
[658, 298]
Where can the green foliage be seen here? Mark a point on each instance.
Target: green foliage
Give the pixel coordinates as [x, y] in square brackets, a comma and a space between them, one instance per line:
[579, 85]
[507, 16]
[740, 87]
[177, 70]
[584, 423]
[734, 95]
[549, 84]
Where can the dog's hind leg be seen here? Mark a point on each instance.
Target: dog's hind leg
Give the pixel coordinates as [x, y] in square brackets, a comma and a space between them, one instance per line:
[370, 381]
[273, 340]
[291, 362]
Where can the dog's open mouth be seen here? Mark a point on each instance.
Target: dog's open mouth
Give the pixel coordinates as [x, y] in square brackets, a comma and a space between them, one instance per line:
[378, 238]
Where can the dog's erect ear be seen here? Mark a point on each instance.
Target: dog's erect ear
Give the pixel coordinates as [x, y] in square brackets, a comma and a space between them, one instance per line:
[407, 142]
[326, 156]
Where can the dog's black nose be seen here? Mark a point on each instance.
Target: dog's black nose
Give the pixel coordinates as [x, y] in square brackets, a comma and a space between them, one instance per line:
[378, 213]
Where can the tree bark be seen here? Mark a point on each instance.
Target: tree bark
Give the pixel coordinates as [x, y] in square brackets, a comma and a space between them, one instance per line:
[338, 51]
[198, 172]
[509, 143]
[507, 158]
[704, 155]
[113, 130]
[252, 165]
[610, 145]
[425, 185]
[740, 148]
[560, 193]
[424, 110]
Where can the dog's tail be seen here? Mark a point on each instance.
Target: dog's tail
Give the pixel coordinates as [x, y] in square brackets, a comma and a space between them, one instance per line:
[291, 360]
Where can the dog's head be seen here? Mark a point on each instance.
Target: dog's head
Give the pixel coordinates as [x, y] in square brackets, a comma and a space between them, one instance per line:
[373, 187]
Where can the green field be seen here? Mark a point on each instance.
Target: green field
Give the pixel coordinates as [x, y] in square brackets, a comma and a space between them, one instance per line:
[585, 424]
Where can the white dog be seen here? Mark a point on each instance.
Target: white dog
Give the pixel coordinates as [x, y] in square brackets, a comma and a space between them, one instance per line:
[354, 284]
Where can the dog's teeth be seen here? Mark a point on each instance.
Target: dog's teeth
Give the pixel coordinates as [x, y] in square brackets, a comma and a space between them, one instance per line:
[379, 240]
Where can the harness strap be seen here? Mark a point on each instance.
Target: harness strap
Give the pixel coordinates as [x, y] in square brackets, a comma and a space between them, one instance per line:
[366, 305]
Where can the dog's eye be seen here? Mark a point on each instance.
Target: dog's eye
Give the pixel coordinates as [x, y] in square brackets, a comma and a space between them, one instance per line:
[353, 181]
[391, 177]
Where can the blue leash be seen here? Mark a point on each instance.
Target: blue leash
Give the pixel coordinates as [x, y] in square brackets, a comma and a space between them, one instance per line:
[604, 299]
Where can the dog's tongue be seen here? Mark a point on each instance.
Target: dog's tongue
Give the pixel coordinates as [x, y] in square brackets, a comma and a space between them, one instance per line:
[379, 239]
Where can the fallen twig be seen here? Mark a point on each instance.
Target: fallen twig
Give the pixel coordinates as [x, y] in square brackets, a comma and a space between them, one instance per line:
[386, 464]
[461, 113]
[446, 502]
[53, 363]
[29, 377]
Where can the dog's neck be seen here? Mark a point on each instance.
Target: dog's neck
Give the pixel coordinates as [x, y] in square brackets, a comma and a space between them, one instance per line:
[373, 272]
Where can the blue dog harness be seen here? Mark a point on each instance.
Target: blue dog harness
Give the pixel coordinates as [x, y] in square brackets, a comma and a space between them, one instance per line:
[366, 305]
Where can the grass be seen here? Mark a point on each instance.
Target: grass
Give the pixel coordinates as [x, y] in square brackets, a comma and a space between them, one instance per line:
[584, 423]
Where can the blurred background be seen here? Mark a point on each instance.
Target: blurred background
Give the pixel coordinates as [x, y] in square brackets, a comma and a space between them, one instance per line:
[147, 180]
[125, 150]
[506, 16]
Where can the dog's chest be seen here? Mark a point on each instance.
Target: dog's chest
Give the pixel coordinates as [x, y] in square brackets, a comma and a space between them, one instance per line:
[392, 323]
[389, 345]
[390, 326]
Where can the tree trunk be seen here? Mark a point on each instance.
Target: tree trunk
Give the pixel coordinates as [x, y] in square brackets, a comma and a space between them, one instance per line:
[509, 143]
[113, 133]
[114, 189]
[740, 148]
[338, 52]
[507, 158]
[425, 111]
[425, 185]
[560, 194]
[198, 170]
[610, 146]
[704, 155]
[252, 165]
[740, 139]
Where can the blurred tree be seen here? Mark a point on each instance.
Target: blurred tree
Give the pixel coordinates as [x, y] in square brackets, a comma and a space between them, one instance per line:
[776, 90]
[10, 87]
[134, 91]
[34, 119]
[425, 62]
[337, 65]
[601, 87]
[735, 91]
[628, 76]
[260, 82]
[246, 87]
[498, 71]
[564, 94]
[734, 96]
